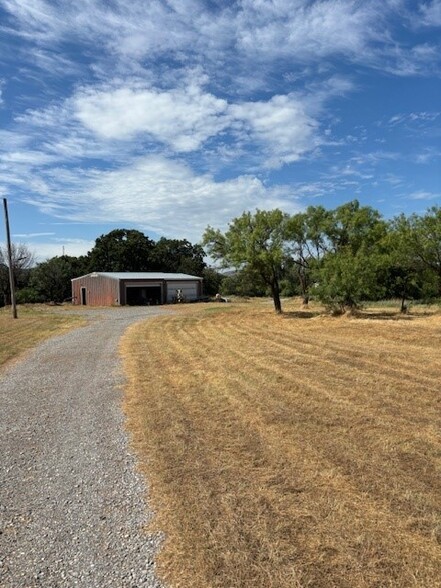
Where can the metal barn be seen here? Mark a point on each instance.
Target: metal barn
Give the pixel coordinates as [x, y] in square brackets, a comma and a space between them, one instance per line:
[134, 288]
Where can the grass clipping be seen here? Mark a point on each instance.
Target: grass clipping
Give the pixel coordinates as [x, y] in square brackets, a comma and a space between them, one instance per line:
[289, 452]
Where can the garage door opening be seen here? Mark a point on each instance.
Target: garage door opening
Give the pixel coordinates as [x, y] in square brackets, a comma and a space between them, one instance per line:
[143, 295]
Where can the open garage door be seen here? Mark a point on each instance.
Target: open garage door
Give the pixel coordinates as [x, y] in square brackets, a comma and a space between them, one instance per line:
[143, 295]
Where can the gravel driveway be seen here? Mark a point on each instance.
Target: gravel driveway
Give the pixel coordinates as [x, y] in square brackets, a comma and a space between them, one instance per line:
[72, 507]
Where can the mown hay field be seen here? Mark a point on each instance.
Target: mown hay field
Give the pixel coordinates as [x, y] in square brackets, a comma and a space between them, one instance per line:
[34, 324]
[290, 451]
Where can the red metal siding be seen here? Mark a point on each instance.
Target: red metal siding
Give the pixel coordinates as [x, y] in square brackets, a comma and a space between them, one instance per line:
[100, 291]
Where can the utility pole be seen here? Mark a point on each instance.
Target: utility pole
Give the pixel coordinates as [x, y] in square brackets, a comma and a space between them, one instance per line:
[11, 270]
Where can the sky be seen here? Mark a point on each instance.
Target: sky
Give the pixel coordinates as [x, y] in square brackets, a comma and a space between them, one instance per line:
[166, 116]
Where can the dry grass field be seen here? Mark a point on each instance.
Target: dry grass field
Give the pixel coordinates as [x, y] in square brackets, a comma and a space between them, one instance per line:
[34, 323]
[290, 451]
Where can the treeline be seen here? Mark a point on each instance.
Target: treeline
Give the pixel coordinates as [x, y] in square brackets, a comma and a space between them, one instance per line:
[120, 250]
[341, 257]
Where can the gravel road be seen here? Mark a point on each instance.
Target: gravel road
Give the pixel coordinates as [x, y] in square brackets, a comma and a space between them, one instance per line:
[72, 510]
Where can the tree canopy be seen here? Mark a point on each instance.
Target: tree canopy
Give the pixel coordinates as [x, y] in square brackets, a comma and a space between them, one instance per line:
[121, 250]
[178, 256]
[253, 241]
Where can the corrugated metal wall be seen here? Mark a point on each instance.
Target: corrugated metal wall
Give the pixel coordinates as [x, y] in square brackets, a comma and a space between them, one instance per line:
[104, 291]
[99, 290]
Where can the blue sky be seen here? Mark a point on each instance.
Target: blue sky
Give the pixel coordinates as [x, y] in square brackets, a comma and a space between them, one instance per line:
[167, 116]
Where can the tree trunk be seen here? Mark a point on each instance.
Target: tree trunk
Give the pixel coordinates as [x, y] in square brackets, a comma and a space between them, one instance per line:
[403, 308]
[275, 292]
[303, 286]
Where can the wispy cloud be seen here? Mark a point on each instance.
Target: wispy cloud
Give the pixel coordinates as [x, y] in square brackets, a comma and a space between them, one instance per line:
[31, 235]
[424, 195]
[431, 12]
[413, 117]
[157, 192]
[205, 33]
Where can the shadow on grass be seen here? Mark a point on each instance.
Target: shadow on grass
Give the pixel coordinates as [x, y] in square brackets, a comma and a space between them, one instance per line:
[394, 317]
[301, 314]
[383, 316]
[359, 314]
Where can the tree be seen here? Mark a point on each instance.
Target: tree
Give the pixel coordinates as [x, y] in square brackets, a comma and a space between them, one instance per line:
[306, 234]
[348, 271]
[121, 250]
[178, 255]
[403, 272]
[244, 282]
[213, 281]
[425, 237]
[253, 241]
[346, 278]
[22, 261]
[353, 226]
[51, 280]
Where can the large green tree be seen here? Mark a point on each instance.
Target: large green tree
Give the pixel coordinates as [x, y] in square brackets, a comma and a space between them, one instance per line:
[425, 237]
[345, 278]
[121, 250]
[348, 271]
[306, 234]
[178, 255]
[403, 273]
[253, 241]
[51, 279]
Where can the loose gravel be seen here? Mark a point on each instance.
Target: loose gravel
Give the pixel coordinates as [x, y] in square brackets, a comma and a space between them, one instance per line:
[72, 510]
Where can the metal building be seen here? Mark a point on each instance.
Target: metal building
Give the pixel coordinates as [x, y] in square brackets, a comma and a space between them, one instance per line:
[134, 288]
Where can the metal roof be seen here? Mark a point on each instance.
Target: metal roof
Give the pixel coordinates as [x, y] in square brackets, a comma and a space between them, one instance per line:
[141, 276]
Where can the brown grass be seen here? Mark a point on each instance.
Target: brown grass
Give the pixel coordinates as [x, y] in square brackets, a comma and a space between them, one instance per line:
[34, 324]
[284, 451]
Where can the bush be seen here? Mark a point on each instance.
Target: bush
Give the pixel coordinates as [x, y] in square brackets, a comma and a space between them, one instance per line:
[28, 296]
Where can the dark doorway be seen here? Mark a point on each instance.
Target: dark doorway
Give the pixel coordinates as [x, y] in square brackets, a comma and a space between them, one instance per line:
[83, 296]
[143, 295]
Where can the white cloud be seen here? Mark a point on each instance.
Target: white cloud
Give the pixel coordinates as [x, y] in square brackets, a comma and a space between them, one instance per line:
[413, 117]
[282, 126]
[183, 119]
[307, 30]
[31, 235]
[287, 127]
[162, 195]
[423, 195]
[122, 121]
[29, 157]
[228, 38]
[55, 63]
